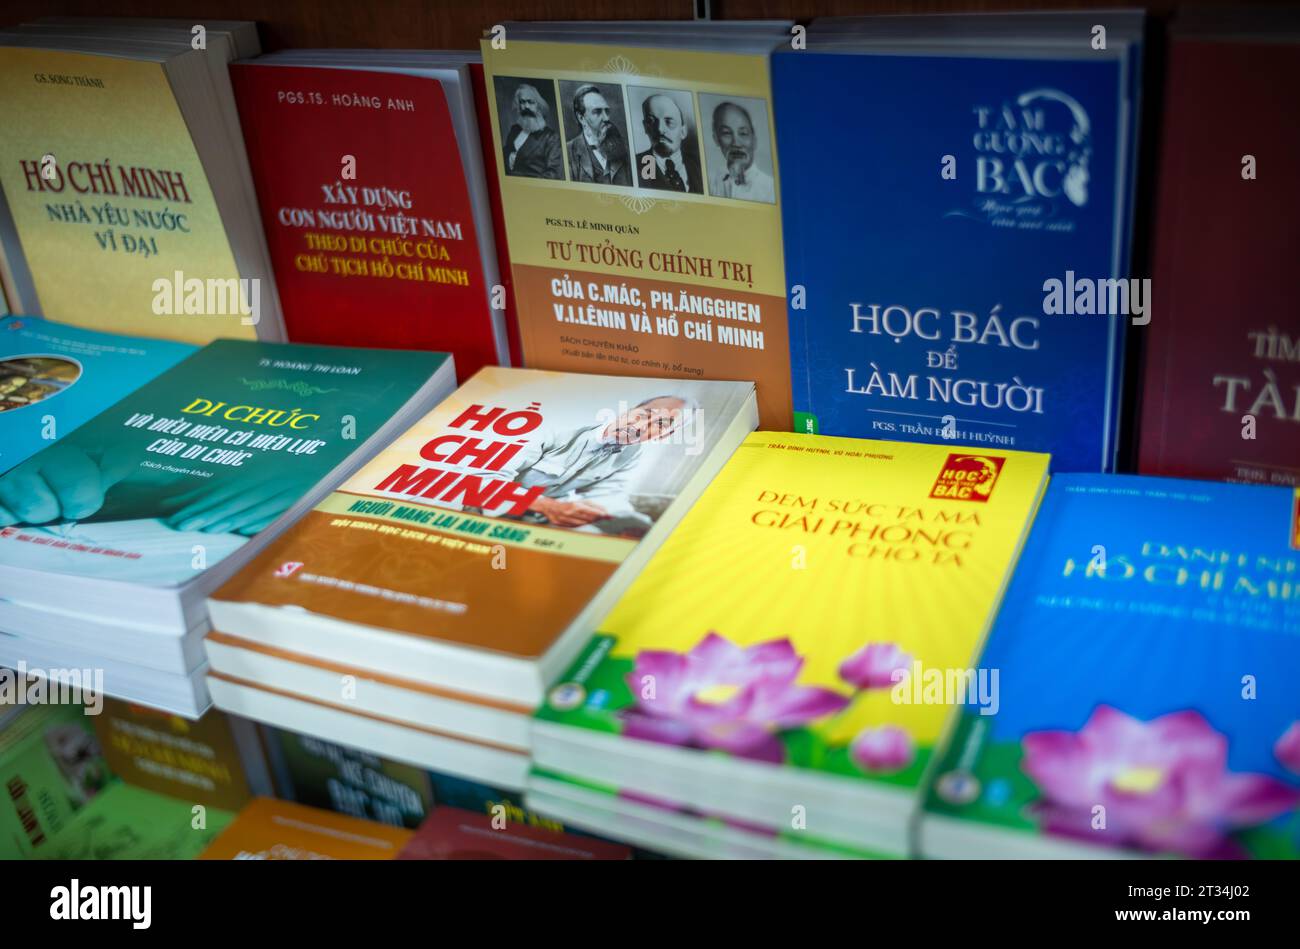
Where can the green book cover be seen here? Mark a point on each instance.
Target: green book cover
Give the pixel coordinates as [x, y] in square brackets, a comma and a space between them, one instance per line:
[51, 769]
[181, 473]
[129, 823]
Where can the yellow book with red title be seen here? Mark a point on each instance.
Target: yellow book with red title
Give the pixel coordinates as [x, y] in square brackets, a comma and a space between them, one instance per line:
[793, 654]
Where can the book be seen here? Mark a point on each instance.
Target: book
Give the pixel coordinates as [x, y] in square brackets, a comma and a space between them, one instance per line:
[268, 829]
[51, 768]
[451, 791]
[453, 834]
[53, 377]
[347, 780]
[1145, 651]
[127, 822]
[638, 179]
[362, 224]
[396, 739]
[462, 568]
[964, 279]
[763, 668]
[669, 828]
[1219, 396]
[115, 534]
[483, 111]
[197, 761]
[161, 220]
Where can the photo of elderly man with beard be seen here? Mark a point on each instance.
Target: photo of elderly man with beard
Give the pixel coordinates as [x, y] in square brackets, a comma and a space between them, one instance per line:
[734, 168]
[530, 146]
[597, 149]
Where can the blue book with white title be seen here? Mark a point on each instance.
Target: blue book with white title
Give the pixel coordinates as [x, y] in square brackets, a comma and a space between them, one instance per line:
[1145, 656]
[53, 377]
[944, 213]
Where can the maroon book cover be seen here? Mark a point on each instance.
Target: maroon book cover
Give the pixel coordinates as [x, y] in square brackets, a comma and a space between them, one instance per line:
[366, 210]
[1221, 389]
[450, 833]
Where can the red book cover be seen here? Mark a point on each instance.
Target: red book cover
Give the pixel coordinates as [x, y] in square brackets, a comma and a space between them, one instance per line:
[1221, 392]
[366, 210]
[450, 833]
[498, 213]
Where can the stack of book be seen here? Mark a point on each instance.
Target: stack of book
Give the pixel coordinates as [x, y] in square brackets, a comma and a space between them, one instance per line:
[116, 533]
[780, 676]
[422, 608]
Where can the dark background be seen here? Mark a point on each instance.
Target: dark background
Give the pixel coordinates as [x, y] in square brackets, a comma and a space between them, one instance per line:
[458, 24]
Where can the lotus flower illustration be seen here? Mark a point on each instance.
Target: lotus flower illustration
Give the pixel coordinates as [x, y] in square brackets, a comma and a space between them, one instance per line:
[882, 750]
[874, 666]
[1287, 748]
[1164, 784]
[725, 697]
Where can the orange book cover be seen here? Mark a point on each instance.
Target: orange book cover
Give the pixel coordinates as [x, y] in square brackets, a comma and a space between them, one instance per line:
[495, 519]
[269, 829]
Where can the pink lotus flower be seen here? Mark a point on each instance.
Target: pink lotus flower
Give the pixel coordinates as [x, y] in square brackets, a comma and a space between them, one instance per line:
[720, 695]
[873, 666]
[882, 750]
[1164, 784]
[1287, 748]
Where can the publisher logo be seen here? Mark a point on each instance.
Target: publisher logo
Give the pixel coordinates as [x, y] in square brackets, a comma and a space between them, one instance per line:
[287, 569]
[967, 478]
[566, 696]
[958, 787]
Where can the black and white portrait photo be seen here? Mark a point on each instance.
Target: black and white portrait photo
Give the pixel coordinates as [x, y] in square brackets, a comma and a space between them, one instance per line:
[666, 139]
[595, 133]
[738, 148]
[530, 139]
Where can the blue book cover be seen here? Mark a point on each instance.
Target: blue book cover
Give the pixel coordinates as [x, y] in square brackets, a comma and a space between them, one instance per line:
[53, 377]
[943, 216]
[1142, 681]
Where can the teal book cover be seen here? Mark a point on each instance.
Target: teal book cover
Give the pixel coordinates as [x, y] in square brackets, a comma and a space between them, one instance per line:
[53, 377]
[186, 469]
[1144, 663]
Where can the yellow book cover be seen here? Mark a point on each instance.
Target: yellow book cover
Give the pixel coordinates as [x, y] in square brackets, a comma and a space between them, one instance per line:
[821, 607]
[642, 212]
[110, 202]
